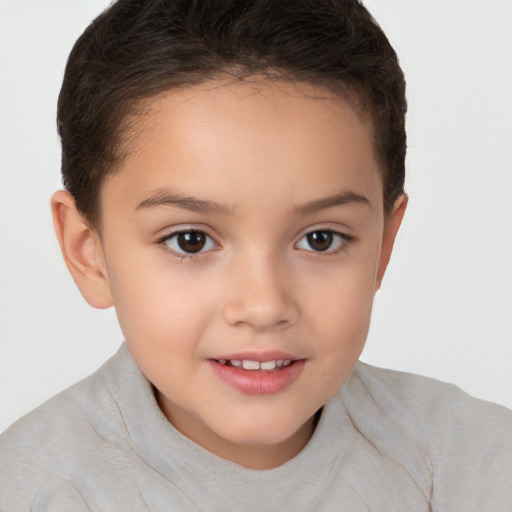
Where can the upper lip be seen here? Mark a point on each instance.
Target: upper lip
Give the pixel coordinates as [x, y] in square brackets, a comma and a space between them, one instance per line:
[270, 355]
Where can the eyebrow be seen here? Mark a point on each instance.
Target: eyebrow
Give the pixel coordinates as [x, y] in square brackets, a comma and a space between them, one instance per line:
[341, 198]
[166, 197]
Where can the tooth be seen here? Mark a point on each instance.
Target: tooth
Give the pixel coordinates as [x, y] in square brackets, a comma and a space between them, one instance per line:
[279, 363]
[222, 361]
[268, 365]
[250, 365]
[287, 362]
[236, 362]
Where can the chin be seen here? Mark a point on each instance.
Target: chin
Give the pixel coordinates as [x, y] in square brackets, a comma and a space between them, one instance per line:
[261, 433]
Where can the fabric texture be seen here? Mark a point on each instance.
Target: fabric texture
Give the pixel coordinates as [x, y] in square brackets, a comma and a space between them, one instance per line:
[388, 441]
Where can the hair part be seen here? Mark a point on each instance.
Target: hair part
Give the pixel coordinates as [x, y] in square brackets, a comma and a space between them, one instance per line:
[137, 49]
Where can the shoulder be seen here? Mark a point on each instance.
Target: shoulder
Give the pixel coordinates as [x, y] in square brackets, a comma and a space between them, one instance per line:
[418, 398]
[465, 442]
[80, 411]
[422, 394]
[43, 452]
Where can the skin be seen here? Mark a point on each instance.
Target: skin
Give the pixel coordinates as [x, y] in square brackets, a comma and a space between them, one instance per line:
[268, 155]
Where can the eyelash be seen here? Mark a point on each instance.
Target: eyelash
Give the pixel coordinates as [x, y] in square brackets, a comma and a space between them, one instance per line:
[162, 242]
[343, 239]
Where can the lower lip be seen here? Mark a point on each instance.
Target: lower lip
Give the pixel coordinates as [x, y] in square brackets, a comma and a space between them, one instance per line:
[258, 382]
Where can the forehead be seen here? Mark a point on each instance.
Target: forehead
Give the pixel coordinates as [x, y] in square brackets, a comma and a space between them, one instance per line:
[268, 136]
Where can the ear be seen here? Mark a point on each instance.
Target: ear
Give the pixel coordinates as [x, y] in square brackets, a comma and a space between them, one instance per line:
[82, 250]
[391, 226]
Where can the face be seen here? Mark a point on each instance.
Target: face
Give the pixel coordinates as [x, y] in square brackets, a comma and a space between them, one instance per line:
[243, 242]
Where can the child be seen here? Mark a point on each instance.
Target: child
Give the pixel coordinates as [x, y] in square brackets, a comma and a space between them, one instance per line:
[234, 184]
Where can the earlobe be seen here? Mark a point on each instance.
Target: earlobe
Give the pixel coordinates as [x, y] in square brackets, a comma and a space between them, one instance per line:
[82, 251]
[391, 227]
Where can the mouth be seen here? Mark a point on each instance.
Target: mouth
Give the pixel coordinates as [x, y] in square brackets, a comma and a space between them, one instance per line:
[258, 377]
[252, 365]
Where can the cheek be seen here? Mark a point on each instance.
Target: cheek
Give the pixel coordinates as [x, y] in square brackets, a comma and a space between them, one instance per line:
[345, 296]
[159, 306]
[341, 317]
[343, 329]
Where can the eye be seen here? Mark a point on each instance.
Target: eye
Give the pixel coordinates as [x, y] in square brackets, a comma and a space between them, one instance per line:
[189, 242]
[323, 240]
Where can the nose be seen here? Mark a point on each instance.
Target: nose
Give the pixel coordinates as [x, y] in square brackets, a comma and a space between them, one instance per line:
[260, 296]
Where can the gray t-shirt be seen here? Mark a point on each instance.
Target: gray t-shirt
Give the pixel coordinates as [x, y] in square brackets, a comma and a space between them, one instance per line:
[388, 441]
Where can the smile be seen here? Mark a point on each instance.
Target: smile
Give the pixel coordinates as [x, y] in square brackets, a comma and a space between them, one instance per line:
[246, 364]
[257, 377]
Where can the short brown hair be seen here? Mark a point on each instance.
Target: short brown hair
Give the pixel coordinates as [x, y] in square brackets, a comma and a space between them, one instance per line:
[137, 49]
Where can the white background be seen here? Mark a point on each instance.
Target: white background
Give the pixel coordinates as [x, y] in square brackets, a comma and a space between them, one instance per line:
[445, 308]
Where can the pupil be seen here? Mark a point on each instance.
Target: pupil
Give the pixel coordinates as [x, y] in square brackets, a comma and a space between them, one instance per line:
[191, 241]
[320, 240]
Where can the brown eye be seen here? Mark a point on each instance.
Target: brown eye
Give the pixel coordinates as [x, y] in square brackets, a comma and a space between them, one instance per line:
[320, 240]
[190, 242]
[193, 241]
[323, 240]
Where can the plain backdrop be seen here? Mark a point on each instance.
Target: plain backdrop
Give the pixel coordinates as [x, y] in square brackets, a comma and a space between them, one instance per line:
[445, 307]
